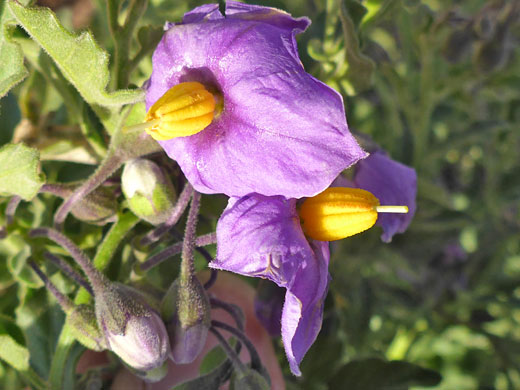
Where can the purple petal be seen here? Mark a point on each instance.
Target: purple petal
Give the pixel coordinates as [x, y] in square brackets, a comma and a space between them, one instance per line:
[269, 300]
[281, 132]
[261, 236]
[393, 184]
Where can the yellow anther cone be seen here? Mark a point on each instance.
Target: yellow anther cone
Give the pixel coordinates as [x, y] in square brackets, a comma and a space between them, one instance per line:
[185, 109]
[337, 213]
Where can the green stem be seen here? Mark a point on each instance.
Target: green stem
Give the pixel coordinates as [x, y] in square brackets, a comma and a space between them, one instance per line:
[122, 36]
[108, 246]
[34, 379]
[60, 358]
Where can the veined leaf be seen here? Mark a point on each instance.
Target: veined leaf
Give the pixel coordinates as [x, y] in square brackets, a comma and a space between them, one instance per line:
[78, 56]
[19, 171]
[12, 70]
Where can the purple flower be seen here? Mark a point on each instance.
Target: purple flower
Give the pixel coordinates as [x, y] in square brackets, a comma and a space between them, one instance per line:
[261, 236]
[393, 184]
[276, 130]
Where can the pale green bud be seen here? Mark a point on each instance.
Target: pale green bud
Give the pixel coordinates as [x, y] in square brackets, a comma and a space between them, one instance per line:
[149, 191]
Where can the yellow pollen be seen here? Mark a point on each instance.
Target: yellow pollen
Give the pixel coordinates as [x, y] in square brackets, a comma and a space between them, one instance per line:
[338, 213]
[185, 109]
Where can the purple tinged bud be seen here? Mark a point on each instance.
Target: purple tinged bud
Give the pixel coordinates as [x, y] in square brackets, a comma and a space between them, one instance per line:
[133, 330]
[149, 191]
[187, 313]
[269, 301]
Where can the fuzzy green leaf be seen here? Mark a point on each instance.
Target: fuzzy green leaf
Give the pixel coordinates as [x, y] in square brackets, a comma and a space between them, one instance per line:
[19, 171]
[83, 63]
[12, 70]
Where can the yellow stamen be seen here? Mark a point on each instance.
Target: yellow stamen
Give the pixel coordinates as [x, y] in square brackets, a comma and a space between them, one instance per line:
[338, 213]
[184, 110]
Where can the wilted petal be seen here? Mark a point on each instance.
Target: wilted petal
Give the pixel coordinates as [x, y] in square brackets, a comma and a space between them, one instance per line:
[261, 236]
[392, 183]
[278, 122]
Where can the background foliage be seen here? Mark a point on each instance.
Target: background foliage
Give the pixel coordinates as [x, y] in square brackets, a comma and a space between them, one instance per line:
[435, 83]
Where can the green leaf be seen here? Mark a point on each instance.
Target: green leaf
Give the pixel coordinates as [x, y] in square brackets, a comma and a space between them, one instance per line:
[9, 117]
[17, 265]
[212, 359]
[19, 171]
[78, 56]
[12, 70]
[210, 381]
[377, 374]
[11, 351]
[41, 323]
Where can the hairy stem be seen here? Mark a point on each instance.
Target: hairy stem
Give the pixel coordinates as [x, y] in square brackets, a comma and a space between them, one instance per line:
[105, 170]
[178, 210]
[256, 363]
[65, 303]
[97, 280]
[68, 270]
[206, 239]
[232, 355]
[189, 242]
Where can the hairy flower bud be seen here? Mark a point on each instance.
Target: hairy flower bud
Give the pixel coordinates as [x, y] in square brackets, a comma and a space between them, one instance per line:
[186, 311]
[83, 325]
[98, 207]
[133, 330]
[149, 191]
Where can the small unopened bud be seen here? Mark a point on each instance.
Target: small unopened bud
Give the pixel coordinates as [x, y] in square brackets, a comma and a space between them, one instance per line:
[187, 313]
[132, 329]
[149, 191]
[98, 207]
[82, 323]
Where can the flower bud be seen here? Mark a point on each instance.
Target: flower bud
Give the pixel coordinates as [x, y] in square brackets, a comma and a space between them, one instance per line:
[149, 191]
[186, 311]
[83, 325]
[132, 329]
[98, 207]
